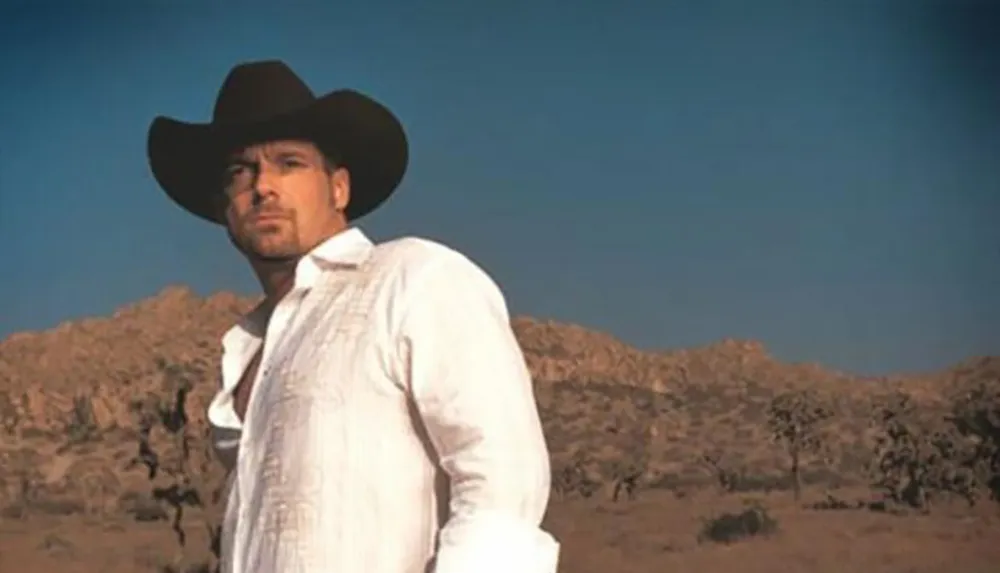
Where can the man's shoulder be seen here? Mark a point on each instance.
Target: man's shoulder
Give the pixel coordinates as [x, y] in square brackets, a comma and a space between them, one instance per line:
[413, 263]
[412, 254]
[426, 272]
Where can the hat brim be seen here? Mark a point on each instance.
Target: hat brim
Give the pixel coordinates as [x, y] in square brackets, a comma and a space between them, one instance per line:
[367, 138]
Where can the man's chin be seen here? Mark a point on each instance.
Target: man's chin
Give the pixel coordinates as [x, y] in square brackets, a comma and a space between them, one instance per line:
[277, 259]
[273, 254]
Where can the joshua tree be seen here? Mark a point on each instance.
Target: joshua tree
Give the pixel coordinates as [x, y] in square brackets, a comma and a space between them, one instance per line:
[918, 455]
[178, 458]
[975, 414]
[796, 419]
[627, 472]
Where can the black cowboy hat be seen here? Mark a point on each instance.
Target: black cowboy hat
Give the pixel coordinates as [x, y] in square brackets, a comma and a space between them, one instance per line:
[261, 101]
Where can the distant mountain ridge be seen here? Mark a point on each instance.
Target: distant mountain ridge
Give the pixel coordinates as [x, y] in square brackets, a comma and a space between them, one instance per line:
[103, 357]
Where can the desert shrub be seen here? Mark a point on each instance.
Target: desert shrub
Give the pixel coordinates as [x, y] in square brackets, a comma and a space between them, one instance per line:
[617, 423]
[630, 461]
[625, 474]
[726, 472]
[975, 414]
[181, 466]
[796, 421]
[832, 503]
[575, 477]
[919, 456]
[733, 476]
[731, 527]
[677, 481]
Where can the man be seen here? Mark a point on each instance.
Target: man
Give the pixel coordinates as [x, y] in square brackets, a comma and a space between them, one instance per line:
[375, 410]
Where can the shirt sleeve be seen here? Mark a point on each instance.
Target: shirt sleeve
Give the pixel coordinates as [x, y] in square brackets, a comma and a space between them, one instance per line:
[473, 390]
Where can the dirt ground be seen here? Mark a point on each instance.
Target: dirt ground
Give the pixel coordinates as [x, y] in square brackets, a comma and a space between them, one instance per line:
[655, 533]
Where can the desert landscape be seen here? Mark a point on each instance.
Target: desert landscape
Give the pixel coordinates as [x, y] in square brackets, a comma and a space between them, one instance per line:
[712, 459]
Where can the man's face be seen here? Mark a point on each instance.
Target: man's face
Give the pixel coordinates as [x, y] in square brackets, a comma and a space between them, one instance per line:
[282, 198]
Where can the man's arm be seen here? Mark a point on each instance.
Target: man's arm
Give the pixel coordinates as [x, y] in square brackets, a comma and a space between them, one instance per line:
[471, 385]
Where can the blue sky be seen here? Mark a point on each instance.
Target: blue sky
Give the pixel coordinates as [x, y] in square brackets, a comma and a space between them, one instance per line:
[820, 176]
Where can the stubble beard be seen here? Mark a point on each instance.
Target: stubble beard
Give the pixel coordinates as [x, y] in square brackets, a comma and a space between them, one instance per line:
[272, 243]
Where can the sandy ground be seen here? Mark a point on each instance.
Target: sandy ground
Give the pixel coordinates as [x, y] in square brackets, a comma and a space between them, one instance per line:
[655, 533]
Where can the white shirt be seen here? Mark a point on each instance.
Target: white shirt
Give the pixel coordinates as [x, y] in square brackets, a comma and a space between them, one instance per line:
[392, 427]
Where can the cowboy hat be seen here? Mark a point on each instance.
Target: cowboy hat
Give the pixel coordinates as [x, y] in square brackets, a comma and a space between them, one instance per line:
[266, 100]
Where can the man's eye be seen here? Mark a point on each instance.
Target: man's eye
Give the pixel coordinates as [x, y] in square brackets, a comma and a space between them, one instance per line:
[236, 175]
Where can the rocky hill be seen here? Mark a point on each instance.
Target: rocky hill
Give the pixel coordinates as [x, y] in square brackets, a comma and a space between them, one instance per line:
[81, 403]
[109, 359]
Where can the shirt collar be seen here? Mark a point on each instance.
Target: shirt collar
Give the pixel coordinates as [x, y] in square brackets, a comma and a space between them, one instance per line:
[345, 250]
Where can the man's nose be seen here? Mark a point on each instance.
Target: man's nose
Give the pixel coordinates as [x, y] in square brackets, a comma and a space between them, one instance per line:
[265, 184]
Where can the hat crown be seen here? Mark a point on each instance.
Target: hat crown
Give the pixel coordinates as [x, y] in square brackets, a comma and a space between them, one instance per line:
[256, 91]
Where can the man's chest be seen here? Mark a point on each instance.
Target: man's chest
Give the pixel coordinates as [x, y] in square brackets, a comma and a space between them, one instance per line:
[241, 394]
[324, 350]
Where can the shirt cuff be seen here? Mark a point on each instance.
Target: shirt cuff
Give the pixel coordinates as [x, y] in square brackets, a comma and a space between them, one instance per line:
[489, 544]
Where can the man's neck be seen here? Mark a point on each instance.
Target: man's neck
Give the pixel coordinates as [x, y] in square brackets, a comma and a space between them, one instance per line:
[276, 279]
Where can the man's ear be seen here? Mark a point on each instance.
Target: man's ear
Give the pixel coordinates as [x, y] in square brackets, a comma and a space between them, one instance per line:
[340, 184]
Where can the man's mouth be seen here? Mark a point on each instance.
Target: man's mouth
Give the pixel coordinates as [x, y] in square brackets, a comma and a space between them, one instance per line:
[266, 218]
